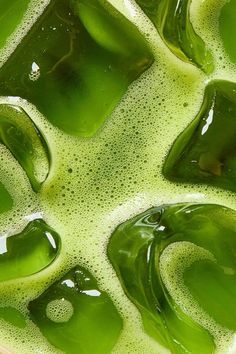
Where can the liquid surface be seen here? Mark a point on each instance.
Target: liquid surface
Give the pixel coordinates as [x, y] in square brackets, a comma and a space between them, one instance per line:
[94, 184]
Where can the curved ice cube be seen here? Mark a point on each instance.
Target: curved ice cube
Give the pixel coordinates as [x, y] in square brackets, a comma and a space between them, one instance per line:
[172, 20]
[227, 28]
[177, 264]
[206, 150]
[20, 135]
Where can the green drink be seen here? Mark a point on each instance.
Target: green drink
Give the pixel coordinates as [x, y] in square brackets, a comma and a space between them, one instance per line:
[117, 177]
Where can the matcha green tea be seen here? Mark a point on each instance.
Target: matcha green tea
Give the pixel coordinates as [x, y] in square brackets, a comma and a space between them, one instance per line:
[117, 176]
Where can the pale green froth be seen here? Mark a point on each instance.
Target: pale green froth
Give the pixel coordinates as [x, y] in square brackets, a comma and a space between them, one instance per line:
[60, 311]
[95, 184]
[174, 260]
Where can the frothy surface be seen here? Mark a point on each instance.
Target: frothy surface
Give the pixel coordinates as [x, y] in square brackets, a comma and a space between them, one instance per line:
[97, 183]
[174, 260]
[59, 311]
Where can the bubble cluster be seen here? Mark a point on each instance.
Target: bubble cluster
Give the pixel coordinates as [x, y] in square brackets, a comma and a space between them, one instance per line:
[35, 72]
[60, 310]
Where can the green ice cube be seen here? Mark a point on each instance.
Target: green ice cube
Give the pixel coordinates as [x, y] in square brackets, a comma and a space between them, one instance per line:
[20, 135]
[76, 63]
[76, 316]
[6, 201]
[227, 28]
[172, 20]
[173, 250]
[29, 251]
[206, 150]
[12, 316]
[11, 14]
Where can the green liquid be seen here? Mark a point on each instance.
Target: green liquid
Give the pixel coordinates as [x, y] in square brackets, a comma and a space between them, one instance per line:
[6, 199]
[117, 215]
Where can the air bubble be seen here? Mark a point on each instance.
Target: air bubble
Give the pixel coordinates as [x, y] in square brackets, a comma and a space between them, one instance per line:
[60, 310]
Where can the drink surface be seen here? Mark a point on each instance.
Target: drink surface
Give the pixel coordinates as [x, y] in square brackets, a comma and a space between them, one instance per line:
[96, 183]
